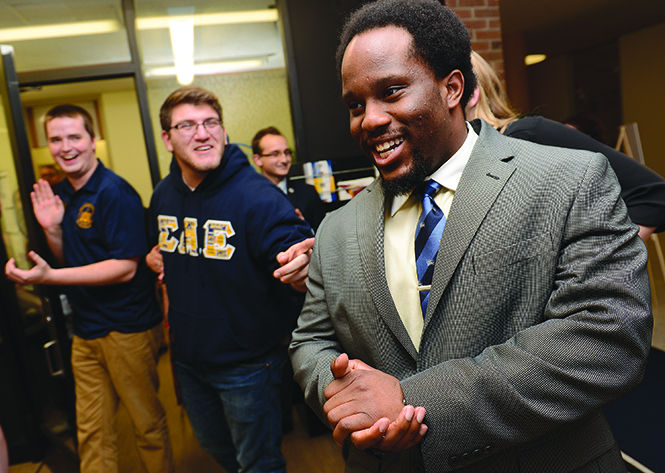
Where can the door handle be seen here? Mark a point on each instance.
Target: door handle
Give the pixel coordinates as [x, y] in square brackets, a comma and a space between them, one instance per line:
[53, 358]
[52, 351]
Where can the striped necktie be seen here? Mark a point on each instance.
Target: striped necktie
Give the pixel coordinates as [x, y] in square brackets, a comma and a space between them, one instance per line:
[428, 236]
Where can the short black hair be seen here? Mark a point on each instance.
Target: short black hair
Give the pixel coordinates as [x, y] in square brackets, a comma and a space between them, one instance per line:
[440, 38]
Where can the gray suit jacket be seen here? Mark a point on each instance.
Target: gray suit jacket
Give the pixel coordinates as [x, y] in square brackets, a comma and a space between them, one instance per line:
[539, 314]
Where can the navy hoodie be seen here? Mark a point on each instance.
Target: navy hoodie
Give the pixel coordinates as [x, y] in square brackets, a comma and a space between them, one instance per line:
[219, 244]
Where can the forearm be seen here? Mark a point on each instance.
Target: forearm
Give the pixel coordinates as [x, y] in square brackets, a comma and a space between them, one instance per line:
[314, 344]
[111, 271]
[54, 240]
[311, 363]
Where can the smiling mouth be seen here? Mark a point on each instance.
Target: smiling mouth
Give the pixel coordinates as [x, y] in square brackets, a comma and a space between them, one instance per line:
[69, 157]
[204, 148]
[385, 148]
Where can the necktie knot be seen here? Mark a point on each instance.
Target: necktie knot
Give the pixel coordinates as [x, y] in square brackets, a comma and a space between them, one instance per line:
[431, 188]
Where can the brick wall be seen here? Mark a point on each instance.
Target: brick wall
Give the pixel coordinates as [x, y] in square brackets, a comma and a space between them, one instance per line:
[482, 19]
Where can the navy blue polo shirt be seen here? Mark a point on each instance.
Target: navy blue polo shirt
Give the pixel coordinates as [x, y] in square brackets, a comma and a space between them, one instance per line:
[105, 219]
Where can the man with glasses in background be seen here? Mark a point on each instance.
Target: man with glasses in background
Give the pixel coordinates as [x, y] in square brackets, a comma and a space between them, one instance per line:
[220, 228]
[94, 225]
[273, 157]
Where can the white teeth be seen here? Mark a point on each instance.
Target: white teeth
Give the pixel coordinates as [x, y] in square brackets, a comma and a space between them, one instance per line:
[204, 148]
[381, 147]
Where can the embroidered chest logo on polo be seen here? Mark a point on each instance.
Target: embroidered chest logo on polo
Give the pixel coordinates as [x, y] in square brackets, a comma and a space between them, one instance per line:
[84, 218]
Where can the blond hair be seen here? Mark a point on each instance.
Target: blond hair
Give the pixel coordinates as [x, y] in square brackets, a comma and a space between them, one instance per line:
[493, 105]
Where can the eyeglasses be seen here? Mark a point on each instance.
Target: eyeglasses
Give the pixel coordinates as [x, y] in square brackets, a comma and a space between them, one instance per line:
[275, 154]
[189, 128]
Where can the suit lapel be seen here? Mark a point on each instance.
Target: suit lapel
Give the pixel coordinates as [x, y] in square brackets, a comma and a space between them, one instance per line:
[482, 180]
[370, 228]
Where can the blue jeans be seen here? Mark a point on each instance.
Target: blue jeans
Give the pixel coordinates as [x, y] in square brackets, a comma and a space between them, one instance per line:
[235, 411]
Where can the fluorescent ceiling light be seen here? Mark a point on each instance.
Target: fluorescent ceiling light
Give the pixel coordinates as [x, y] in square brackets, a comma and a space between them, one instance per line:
[181, 30]
[58, 30]
[532, 59]
[82, 28]
[210, 68]
[205, 19]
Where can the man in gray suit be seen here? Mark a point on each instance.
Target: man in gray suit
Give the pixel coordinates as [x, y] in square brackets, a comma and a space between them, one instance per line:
[538, 310]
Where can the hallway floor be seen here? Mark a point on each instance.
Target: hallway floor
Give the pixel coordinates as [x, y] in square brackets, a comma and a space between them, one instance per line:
[304, 454]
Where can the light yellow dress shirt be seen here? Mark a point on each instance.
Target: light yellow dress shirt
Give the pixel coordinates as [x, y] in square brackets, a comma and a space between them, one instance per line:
[401, 219]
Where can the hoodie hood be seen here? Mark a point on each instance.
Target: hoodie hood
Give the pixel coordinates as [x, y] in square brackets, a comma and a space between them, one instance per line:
[233, 161]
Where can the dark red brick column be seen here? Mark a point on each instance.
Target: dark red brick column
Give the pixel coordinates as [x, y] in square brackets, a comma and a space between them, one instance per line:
[482, 19]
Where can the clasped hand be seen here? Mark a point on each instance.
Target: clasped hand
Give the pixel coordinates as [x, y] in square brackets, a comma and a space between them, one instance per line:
[366, 405]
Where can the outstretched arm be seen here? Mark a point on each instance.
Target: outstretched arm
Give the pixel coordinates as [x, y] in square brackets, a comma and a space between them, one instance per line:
[112, 271]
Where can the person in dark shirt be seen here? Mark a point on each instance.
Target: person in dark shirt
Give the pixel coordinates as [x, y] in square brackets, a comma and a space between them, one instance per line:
[95, 227]
[642, 190]
[273, 156]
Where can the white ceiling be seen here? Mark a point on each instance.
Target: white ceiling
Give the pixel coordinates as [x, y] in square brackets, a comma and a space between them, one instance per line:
[212, 43]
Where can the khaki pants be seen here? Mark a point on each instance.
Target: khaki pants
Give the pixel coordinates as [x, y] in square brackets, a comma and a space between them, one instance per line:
[119, 366]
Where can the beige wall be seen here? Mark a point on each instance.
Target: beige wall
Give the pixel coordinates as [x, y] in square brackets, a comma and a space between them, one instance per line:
[121, 122]
[642, 60]
[250, 101]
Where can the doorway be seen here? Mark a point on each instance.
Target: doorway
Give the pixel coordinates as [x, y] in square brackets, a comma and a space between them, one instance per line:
[36, 392]
[37, 389]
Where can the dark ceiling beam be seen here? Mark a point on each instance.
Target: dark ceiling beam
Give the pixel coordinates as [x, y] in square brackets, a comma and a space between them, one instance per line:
[75, 74]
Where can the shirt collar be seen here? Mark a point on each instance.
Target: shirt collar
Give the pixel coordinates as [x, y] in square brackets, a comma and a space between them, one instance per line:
[91, 184]
[282, 186]
[449, 173]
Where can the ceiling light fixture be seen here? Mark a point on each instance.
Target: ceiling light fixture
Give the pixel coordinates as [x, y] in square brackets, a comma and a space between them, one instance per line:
[59, 30]
[210, 68]
[206, 19]
[82, 28]
[531, 59]
[181, 30]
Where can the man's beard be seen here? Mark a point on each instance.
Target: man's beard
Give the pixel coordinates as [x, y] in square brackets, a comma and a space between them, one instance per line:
[420, 169]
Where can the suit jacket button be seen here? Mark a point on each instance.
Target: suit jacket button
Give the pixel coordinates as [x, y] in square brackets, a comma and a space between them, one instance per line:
[453, 459]
[487, 449]
[477, 452]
